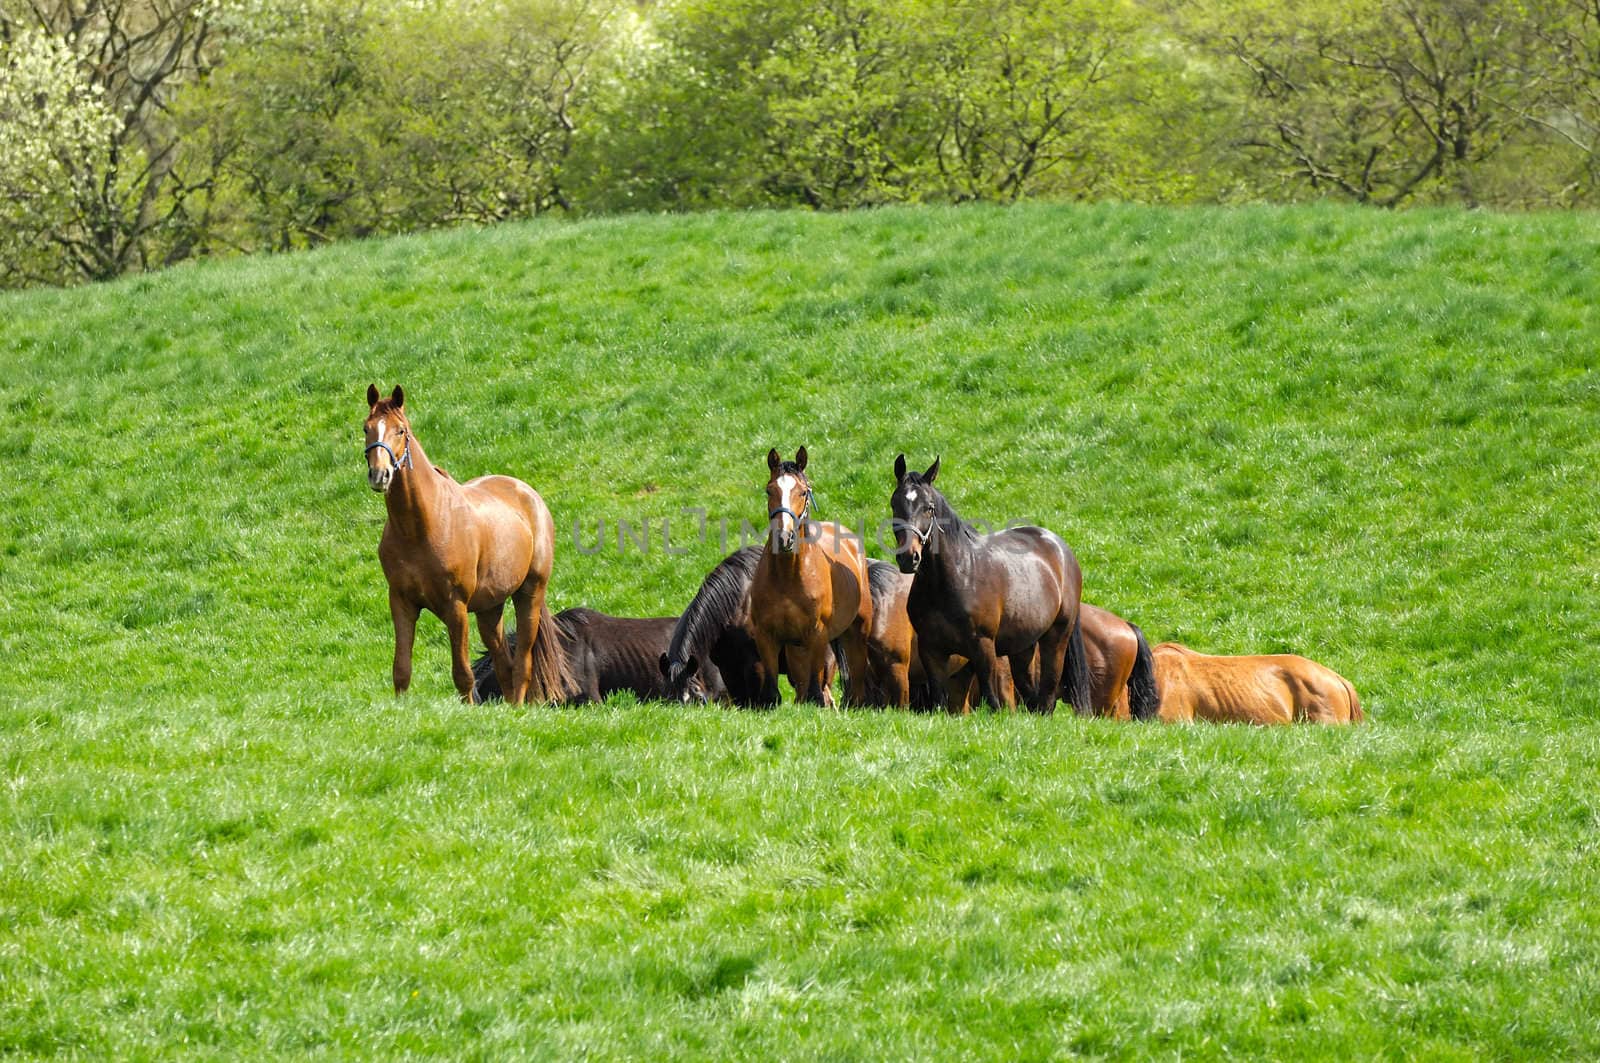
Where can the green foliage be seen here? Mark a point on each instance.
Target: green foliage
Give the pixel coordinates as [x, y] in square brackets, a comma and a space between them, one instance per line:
[52, 124]
[278, 124]
[1369, 437]
[331, 121]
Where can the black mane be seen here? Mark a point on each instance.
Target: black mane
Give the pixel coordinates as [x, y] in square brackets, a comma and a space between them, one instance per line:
[944, 514]
[720, 599]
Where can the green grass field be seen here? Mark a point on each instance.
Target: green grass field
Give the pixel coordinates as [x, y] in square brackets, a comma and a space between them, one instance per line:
[1370, 438]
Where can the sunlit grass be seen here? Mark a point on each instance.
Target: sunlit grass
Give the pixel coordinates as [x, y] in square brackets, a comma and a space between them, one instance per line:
[1364, 437]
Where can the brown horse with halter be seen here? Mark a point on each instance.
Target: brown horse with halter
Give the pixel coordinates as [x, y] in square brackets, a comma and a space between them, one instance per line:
[810, 588]
[456, 549]
[988, 597]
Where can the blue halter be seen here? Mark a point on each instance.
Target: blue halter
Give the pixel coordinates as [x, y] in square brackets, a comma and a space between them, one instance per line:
[800, 516]
[403, 461]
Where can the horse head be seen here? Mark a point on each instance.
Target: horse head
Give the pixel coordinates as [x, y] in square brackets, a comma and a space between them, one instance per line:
[388, 437]
[915, 504]
[788, 500]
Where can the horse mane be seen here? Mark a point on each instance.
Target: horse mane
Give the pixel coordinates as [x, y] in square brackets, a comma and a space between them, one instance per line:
[720, 599]
[944, 514]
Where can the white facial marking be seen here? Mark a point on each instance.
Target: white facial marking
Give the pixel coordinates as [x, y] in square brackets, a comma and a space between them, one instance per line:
[383, 426]
[786, 485]
[911, 495]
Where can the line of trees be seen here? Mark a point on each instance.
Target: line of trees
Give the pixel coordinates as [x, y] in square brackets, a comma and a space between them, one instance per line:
[139, 133]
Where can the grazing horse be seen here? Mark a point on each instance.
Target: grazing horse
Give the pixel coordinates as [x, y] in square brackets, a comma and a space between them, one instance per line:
[1277, 688]
[606, 654]
[456, 549]
[987, 597]
[713, 635]
[810, 588]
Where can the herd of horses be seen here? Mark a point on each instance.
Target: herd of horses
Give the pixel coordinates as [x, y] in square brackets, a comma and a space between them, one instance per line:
[960, 617]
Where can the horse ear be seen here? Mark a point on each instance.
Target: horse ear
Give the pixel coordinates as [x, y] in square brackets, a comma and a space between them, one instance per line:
[691, 666]
[899, 468]
[800, 458]
[773, 460]
[398, 397]
[666, 665]
[372, 394]
[933, 470]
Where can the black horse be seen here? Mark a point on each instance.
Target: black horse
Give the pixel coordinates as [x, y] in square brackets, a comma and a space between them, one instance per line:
[606, 654]
[984, 597]
[713, 635]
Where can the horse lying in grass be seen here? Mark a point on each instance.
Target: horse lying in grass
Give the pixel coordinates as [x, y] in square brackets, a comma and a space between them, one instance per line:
[457, 549]
[606, 654]
[986, 597]
[1272, 689]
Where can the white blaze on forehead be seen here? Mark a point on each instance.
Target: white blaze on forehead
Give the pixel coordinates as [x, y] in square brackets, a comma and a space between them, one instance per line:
[911, 495]
[786, 486]
[383, 426]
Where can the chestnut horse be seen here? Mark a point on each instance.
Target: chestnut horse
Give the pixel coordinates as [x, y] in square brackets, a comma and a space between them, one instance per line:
[1271, 689]
[810, 588]
[455, 549]
[984, 597]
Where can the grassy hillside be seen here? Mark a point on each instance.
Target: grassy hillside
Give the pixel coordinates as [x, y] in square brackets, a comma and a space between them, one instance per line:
[1365, 437]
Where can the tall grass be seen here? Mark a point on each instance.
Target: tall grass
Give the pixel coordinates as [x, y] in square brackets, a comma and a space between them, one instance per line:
[1363, 437]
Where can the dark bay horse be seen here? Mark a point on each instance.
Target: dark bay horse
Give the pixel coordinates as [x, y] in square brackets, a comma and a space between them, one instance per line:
[987, 597]
[456, 549]
[1271, 689]
[606, 654]
[810, 588]
[714, 637]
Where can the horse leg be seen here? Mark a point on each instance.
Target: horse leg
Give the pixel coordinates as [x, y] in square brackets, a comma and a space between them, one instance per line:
[891, 674]
[492, 627]
[1052, 651]
[961, 689]
[807, 669]
[528, 601]
[1025, 674]
[455, 622]
[995, 683]
[405, 615]
[767, 649]
[855, 658]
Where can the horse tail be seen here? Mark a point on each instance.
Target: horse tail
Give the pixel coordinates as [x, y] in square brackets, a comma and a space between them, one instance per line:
[1144, 695]
[550, 679]
[1075, 683]
[1356, 715]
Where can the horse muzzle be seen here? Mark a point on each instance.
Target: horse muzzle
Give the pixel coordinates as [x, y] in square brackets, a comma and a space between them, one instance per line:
[380, 480]
[909, 562]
